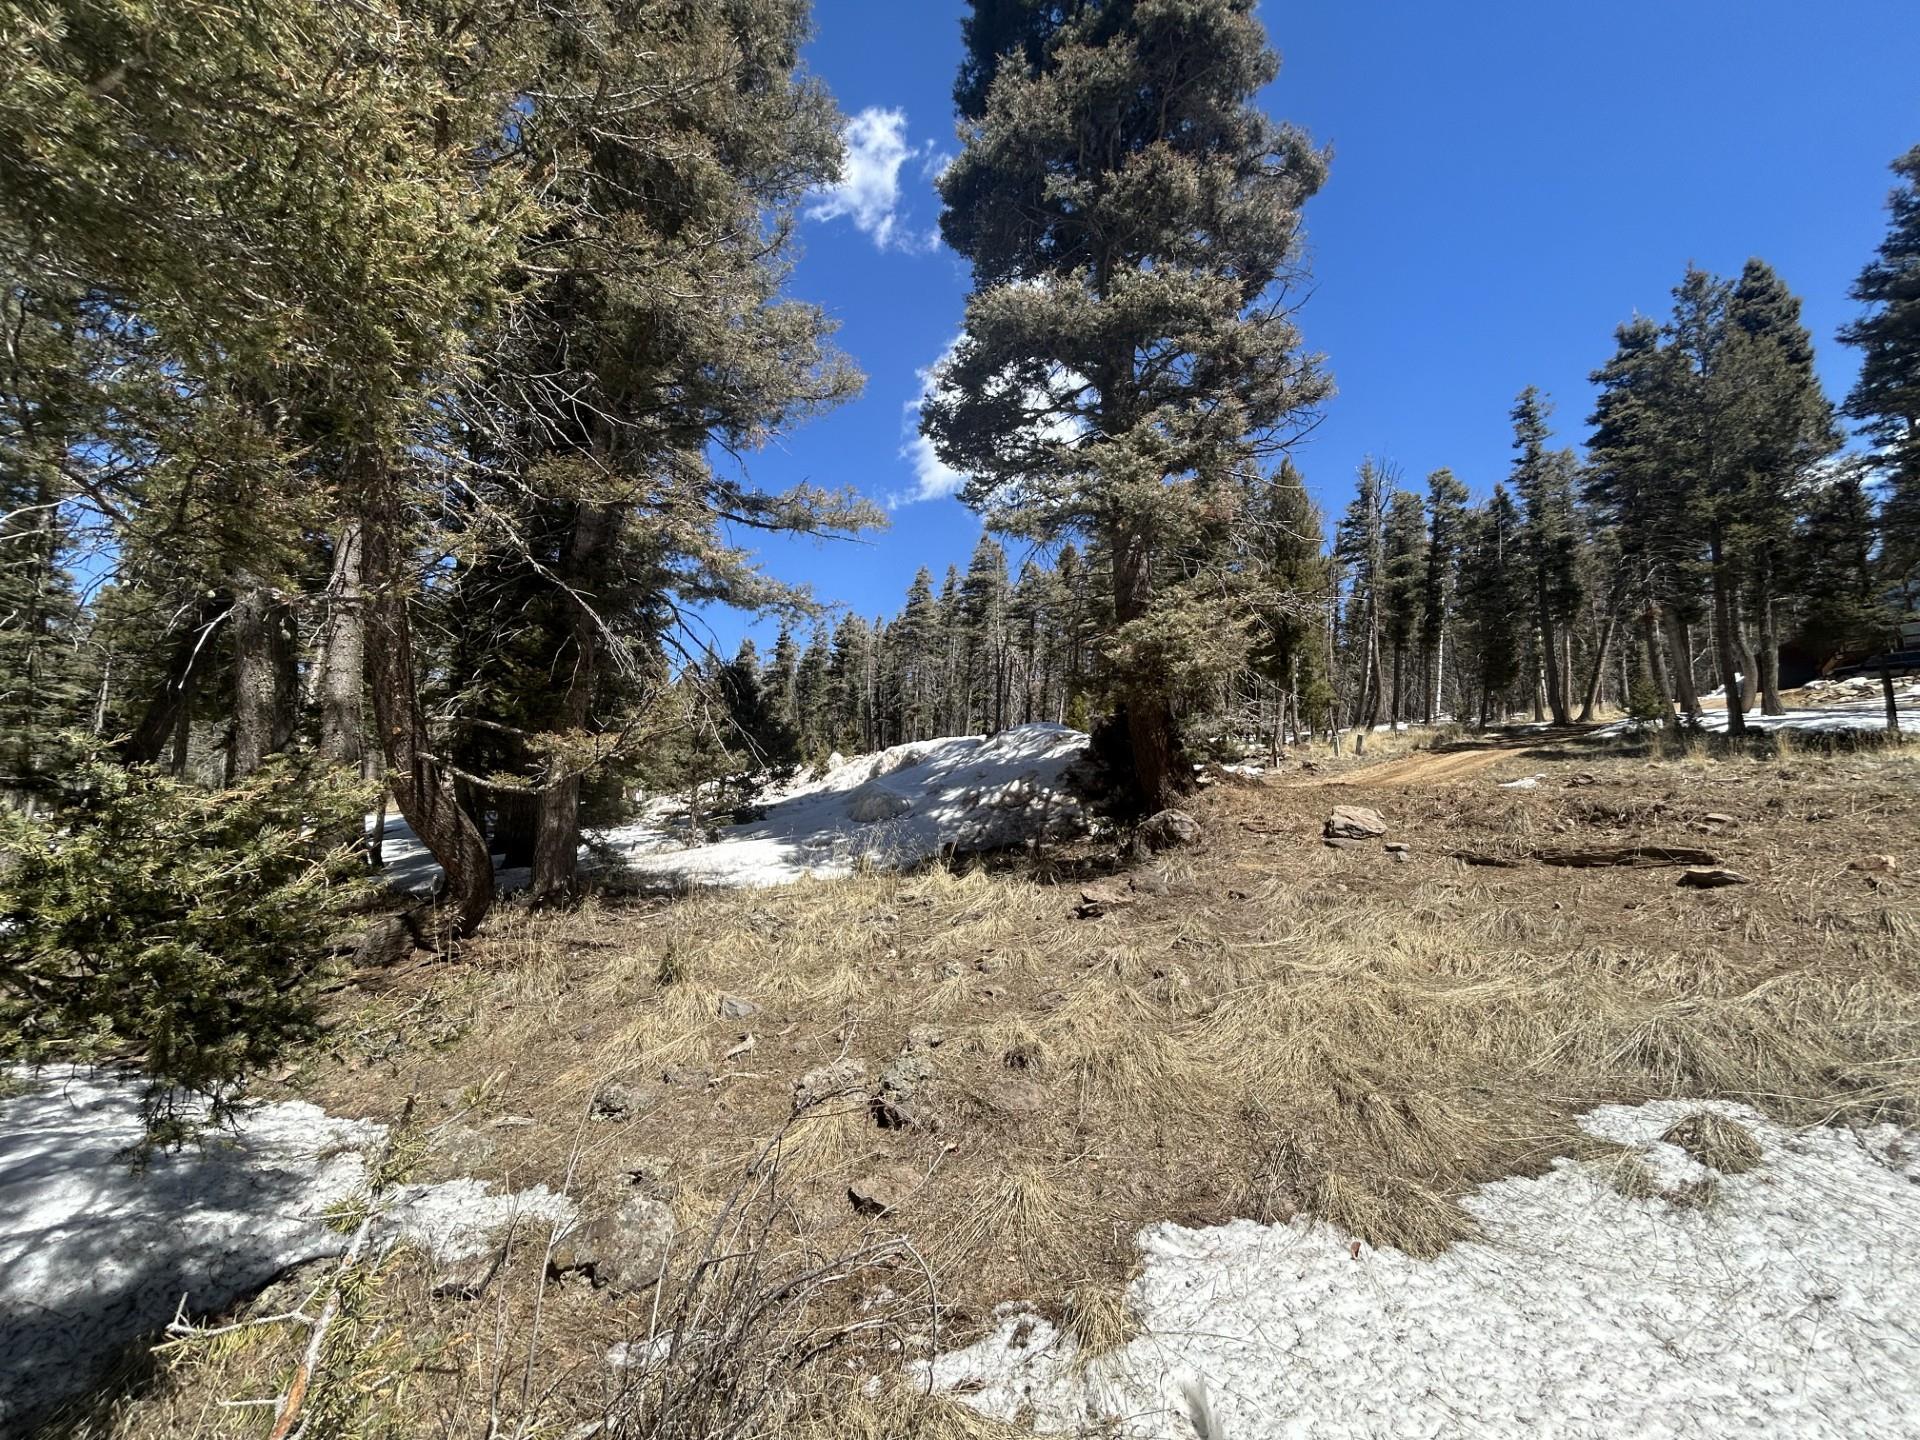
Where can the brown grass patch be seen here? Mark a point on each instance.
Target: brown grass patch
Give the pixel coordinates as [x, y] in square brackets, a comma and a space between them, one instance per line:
[1288, 1031]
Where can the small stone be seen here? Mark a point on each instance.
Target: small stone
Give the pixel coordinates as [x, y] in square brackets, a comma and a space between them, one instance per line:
[1344, 842]
[1017, 1097]
[733, 1007]
[466, 1278]
[1714, 817]
[1355, 822]
[387, 941]
[1396, 847]
[690, 1076]
[925, 1037]
[624, 1251]
[1100, 896]
[1169, 830]
[514, 1122]
[1401, 857]
[838, 1077]
[1712, 878]
[883, 1190]
[619, 1100]
[1875, 864]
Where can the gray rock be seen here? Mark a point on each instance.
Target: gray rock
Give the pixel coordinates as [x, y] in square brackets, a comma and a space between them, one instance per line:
[883, 1190]
[388, 940]
[925, 1037]
[1169, 830]
[692, 1077]
[1355, 822]
[1016, 1097]
[623, 1251]
[734, 1007]
[823, 1082]
[620, 1100]
[901, 1103]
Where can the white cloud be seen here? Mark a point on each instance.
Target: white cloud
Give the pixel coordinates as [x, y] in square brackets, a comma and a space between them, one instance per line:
[868, 192]
[933, 478]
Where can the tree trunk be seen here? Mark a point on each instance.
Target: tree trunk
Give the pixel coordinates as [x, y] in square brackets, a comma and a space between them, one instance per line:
[423, 793]
[1680, 642]
[1550, 653]
[1725, 638]
[1769, 650]
[1893, 705]
[254, 677]
[1592, 699]
[556, 849]
[1149, 712]
[343, 661]
[1656, 668]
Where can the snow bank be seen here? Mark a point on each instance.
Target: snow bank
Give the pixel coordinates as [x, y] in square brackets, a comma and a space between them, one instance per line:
[893, 809]
[94, 1255]
[1785, 1310]
[1857, 715]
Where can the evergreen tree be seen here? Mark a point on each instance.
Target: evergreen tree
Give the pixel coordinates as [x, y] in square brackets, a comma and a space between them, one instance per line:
[1446, 514]
[983, 624]
[1403, 579]
[1132, 220]
[1848, 611]
[1637, 493]
[1496, 596]
[1360, 543]
[1781, 428]
[1886, 397]
[1543, 481]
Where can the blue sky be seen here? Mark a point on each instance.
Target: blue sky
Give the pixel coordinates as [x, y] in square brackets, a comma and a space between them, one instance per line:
[1510, 180]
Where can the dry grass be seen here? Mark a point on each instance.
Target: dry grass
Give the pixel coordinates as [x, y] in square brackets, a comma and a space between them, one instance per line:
[1716, 1142]
[1287, 1030]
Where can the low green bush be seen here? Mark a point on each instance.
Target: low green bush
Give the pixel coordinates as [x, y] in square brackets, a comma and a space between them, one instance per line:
[185, 930]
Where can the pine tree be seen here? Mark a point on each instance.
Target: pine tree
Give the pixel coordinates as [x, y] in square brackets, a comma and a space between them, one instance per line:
[983, 640]
[1543, 481]
[1886, 397]
[1446, 514]
[1403, 577]
[1360, 543]
[1132, 220]
[1634, 490]
[1781, 428]
[1496, 595]
[916, 639]
[1847, 607]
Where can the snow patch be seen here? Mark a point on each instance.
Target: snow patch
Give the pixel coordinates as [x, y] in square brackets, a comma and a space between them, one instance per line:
[1783, 1310]
[94, 1254]
[1858, 715]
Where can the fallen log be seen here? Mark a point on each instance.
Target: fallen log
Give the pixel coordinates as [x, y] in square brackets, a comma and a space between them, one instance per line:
[1628, 855]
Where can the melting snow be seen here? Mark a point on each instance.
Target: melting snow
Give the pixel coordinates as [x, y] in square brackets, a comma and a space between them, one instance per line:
[94, 1255]
[1853, 715]
[1786, 1310]
[894, 809]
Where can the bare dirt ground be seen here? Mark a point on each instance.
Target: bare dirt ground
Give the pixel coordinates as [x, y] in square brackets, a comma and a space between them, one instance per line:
[1262, 1026]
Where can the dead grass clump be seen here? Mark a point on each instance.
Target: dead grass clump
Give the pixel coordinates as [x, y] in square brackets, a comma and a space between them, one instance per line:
[1624, 1170]
[1028, 1210]
[1716, 1142]
[1100, 1320]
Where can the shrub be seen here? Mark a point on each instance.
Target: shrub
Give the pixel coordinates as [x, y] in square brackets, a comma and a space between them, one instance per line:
[183, 928]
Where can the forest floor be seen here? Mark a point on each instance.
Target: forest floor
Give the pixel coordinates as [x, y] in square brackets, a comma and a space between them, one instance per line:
[1050, 1055]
